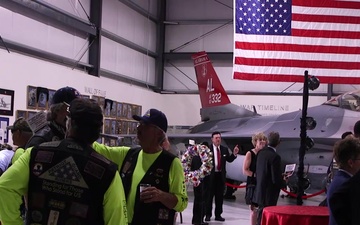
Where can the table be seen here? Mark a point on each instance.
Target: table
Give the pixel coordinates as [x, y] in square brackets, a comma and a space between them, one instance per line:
[295, 215]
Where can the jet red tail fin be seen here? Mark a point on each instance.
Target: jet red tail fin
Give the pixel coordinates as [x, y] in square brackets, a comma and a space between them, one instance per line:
[211, 91]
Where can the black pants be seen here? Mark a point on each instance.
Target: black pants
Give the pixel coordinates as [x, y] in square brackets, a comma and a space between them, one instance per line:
[216, 188]
[199, 204]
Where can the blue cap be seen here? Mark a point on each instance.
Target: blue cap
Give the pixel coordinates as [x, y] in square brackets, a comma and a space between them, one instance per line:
[155, 117]
[65, 94]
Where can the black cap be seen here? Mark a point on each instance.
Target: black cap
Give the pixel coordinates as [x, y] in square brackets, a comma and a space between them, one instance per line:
[20, 124]
[65, 94]
[155, 117]
[86, 112]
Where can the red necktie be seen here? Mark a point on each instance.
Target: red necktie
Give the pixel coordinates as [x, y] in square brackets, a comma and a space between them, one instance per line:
[218, 159]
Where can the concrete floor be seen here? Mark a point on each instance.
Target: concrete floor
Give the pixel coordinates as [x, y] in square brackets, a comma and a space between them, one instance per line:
[236, 212]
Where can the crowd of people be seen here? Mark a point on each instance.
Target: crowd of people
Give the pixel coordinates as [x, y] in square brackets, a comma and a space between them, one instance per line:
[63, 176]
[262, 165]
[59, 174]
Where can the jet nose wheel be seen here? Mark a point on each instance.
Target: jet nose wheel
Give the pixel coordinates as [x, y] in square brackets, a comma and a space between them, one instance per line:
[306, 183]
[294, 185]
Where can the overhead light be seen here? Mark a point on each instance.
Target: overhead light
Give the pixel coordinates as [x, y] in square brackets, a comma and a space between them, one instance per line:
[171, 22]
[309, 142]
[313, 83]
[310, 123]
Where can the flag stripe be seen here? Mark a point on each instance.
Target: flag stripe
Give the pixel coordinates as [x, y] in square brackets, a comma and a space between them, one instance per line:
[346, 13]
[325, 26]
[296, 63]
[328, 4]
[296, 71]
[293, 78]
[331, 57]
[330, 19]
[296, 40]
[295, 48]
[325, 33]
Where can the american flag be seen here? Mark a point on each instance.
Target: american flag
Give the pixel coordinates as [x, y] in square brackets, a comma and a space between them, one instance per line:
[277, 40]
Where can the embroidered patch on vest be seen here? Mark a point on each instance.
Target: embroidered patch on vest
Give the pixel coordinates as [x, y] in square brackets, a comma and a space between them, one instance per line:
[40, 200]
[94, 169]
[125, 168]
[100, 157]
[75, 146]
[159, 172]
[37, 169]
[65, 172]
[44, 156]
[163, 214]
[36, 216]
[56, 204]
[53, 217]
[78, 209]
[50, 144]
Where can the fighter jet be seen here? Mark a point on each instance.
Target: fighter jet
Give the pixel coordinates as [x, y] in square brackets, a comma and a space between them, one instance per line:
[237, 125]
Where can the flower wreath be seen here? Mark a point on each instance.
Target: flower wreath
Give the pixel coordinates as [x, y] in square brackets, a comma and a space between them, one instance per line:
[205, 154]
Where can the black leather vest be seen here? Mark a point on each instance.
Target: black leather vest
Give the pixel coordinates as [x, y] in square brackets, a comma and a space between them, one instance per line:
[157, 176]
[50, 132]
[67, 184]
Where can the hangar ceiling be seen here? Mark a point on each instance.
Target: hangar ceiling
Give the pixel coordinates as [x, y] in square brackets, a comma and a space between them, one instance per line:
[179, 27]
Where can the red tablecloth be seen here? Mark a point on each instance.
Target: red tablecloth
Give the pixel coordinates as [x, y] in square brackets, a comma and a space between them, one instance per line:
[295, 215]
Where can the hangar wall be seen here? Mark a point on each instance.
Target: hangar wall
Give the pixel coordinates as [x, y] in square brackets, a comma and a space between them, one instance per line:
[19, 71]
[202, 18]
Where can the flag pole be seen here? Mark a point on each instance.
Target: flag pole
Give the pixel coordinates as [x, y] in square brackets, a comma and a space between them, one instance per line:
[300, 172]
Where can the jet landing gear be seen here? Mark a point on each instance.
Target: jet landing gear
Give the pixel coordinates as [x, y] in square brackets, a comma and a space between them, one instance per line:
[294, 186]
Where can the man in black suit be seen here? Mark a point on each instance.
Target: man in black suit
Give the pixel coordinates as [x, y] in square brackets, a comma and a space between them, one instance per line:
[269, 178]
[216, 180]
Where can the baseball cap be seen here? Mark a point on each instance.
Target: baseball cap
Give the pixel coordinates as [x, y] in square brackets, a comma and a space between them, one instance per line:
[65, 94]
[155, 117]
[20, 124]
[86, 113]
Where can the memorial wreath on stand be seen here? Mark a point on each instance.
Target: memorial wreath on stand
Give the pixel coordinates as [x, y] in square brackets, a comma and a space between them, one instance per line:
[205, 154]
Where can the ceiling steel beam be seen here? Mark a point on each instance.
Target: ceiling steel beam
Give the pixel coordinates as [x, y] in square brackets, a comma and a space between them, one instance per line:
[43, 12]
[139, 10]
[160, 43]
[198, 22]
[47, 56]
[124, 79]
[95, 41]
[233, 92]
[127, 43]
[228, 56]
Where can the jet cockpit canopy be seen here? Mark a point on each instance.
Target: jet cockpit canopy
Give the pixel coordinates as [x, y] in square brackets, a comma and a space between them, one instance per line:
[349, 100]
